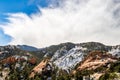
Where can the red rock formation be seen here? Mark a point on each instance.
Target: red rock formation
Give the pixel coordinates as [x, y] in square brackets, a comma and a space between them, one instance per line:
[32, 61]
[95, 60]
[39, 68]
[9, 60]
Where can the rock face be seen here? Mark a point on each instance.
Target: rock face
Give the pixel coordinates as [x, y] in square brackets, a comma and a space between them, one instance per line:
[32, 61]
[9, 60]
[68, 59]
[17, 58]
[43, 67]
[96, 59]
[115, 51]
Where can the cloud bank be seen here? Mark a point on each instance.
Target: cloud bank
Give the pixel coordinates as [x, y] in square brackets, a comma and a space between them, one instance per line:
[72, 21]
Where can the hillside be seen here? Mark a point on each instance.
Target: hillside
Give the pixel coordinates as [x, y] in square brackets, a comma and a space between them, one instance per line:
[64, 61]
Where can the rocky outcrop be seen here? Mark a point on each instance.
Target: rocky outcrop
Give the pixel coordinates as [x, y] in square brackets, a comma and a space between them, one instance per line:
[95, 60]
[43, 67]
[9, 60]
[32, 61]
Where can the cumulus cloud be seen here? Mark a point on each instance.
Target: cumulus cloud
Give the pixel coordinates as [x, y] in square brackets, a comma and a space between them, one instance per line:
[72, 21]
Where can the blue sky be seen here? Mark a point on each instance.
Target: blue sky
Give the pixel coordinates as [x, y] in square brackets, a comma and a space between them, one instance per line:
[15, 6]
[63, 21]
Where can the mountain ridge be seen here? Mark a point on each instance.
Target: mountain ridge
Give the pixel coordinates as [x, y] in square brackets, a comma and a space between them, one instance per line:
[62, 58]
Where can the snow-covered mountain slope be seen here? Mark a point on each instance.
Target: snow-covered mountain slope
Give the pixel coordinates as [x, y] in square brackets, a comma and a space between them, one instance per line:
[68, 59]
[115, 51]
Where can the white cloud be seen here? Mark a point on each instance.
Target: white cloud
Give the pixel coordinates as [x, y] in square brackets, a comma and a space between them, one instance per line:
[73, 21]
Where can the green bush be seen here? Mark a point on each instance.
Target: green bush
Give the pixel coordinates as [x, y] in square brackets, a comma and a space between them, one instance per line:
[109, 76]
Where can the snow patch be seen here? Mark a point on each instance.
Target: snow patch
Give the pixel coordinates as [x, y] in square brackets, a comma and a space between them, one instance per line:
[115, 51]
[67, 60]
